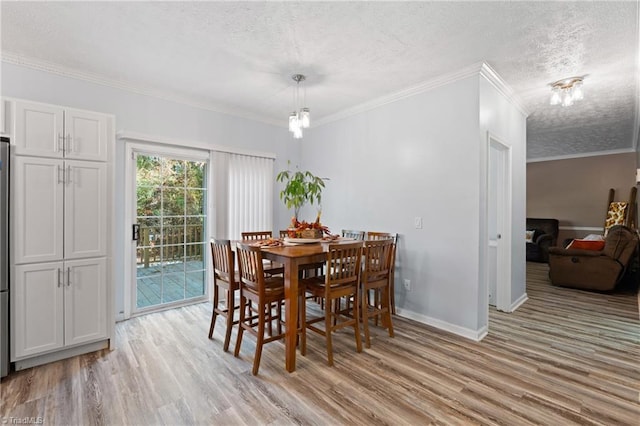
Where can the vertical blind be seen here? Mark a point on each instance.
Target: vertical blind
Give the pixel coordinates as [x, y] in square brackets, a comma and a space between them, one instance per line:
[249, 194]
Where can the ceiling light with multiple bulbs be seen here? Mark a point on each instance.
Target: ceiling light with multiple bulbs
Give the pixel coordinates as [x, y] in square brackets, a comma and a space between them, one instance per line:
[566, 91]
[300, 118]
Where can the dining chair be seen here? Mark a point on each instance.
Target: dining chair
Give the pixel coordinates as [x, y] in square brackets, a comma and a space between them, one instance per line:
[374, 235]
[270, 267]
[350, 233]
[267, 293]
[376, 278]
[226, 279]
[341, 279]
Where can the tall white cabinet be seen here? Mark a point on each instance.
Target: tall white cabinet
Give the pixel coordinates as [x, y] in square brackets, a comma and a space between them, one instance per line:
[61, 210]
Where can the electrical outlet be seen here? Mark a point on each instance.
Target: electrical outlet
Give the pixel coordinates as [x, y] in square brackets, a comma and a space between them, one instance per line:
[407, 284]
[417, 222]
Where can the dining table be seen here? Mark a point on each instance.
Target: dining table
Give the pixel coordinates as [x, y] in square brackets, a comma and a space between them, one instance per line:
[292, 255]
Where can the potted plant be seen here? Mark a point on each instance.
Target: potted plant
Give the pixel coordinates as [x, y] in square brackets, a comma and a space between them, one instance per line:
[301, 187]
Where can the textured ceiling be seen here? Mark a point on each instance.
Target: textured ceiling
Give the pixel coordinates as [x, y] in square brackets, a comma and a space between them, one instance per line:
[238, 56]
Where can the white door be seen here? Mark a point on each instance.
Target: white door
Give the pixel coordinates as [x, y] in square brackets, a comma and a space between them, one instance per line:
[39, 130]
[85, 216]
[170, 211]
[85, 292]
[38, 208]
[498, 217]
[37, 309]
[86, 135]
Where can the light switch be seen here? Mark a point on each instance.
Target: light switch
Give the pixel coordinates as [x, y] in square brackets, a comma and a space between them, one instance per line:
[418, 222]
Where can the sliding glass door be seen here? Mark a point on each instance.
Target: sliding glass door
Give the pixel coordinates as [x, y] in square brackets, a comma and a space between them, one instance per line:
[171, 194]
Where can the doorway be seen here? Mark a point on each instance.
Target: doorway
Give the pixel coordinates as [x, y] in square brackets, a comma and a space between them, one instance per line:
[170, 217]
[499, 224]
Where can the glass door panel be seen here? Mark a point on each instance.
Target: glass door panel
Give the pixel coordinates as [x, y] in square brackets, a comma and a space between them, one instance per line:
[171, 212]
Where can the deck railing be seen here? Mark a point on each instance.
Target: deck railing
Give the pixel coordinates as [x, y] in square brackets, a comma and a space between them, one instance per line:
[176, 243]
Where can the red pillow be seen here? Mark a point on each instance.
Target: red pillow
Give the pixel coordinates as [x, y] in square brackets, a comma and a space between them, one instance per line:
[587, 245]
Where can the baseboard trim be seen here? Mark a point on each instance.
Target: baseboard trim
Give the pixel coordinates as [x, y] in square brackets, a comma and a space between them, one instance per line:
[515, 305]
[63, 354]
[475, 335]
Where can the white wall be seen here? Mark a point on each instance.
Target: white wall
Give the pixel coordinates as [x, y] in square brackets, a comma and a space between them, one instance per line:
[153, 116]
[417, 157]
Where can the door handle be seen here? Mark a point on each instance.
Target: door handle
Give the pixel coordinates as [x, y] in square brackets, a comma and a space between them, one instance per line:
[68, 276]
[60, 138]
[70, 143]
[499, 236]
[59, 279]
[60, 169]
[69, 172]
[136, 232]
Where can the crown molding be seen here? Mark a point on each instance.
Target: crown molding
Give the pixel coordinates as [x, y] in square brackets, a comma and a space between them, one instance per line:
[584, 155]
[496, 81]
[54, 68]
[402, 94]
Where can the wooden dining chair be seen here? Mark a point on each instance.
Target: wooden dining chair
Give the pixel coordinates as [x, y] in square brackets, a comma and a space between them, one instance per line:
[374, 235]
[350, 233]
[225, 279]
[376, 278]
[270, 267]
[342, 279]
[267, 295]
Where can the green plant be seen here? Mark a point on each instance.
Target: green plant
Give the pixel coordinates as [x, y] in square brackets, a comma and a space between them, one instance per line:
[300, 188]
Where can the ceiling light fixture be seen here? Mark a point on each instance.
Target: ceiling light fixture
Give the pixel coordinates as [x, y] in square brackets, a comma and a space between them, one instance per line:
[300, 118]
[566, 91]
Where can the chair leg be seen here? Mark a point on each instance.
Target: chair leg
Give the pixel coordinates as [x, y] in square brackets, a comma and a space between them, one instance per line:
[364, 311]
[243, 310]
[376, 303]
[260, 338]
[302, 326]
[387, 302]
[356, 324]
[279, 324]
[214, 313]
[230, 308]
[328, 331]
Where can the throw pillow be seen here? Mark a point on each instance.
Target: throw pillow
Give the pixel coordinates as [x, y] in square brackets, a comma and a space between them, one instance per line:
[529, 236]
[587, 245]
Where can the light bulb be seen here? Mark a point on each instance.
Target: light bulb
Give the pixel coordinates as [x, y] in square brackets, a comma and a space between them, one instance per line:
[567, 100]
[578, 95]
[297, 133]
[293, 122]
[555, 97]
[305, 118]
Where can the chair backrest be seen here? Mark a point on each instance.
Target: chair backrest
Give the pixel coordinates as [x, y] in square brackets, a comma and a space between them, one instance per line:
[620, 244]
[284, 233]
[373, 235]
[257, 235]
[251, 269]
[378, 259]
[223, 261]
[356, 235]
[343, 265]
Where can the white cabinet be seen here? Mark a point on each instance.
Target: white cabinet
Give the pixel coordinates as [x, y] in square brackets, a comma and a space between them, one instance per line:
[57, 304]
[59, 209]
[37, 309]
[61, 219]
[51, 131]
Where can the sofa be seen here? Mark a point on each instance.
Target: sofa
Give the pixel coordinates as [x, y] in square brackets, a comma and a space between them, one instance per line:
[542, 234]
[593, 269]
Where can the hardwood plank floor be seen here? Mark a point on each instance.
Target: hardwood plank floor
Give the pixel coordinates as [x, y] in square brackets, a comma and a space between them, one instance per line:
[565, 357]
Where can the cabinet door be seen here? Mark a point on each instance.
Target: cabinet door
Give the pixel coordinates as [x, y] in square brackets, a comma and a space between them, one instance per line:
[37, 318]
[37, 207]
[85, 299]
[86, 134]
[85, 215]
[39, 130]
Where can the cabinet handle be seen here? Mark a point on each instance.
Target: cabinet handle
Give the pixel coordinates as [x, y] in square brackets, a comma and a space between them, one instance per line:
[60, 169]
[68, 276]
[70, 146]
[60, 146]
[69, 171]
[59, 279]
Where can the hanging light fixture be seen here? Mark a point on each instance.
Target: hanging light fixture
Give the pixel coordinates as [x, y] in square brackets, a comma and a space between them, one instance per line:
[566, 91]
[300, 118]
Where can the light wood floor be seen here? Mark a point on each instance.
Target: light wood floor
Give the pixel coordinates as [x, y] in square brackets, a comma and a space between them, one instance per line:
[565, 357]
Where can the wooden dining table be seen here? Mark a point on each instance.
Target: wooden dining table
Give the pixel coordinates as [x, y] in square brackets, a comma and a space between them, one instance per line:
[292, 256]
